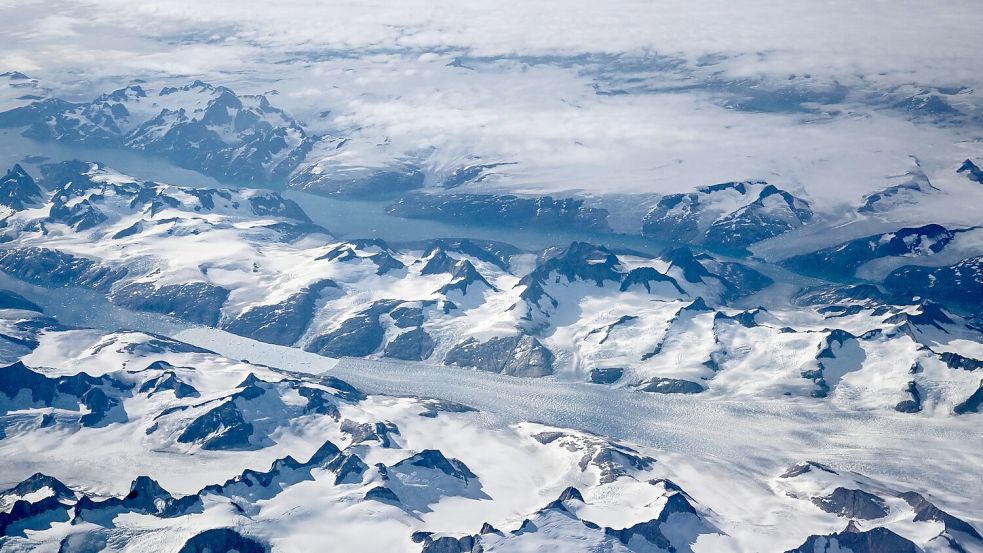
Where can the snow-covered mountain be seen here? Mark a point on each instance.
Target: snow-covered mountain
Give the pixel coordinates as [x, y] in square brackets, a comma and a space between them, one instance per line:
[210, 129]
[252, 263]
[289, 461]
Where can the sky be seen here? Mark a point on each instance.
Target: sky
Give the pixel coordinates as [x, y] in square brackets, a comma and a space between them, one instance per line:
[578, 96]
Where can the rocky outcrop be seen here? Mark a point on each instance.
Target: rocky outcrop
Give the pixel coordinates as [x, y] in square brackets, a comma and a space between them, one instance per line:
[849, 503]
[53, 268]
[282, 323]
[412, 345]
[876, 540]
[209, 129]
[197, 302]
[511, 355]
[670, 386]
[18, 191]
[960, 284]
[709, 216]
[842, 261]
[913, 404]
[971, 171]
[971, 404]
[508, 210]
[222, 539]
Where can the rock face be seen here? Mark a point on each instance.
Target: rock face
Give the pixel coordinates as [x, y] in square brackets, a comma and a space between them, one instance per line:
[925, 510]
[100, 396]
[53, 268]
[605, 375]
[842, 261]
[670, 386]
[729, 216]
[972, 403]
[209, 129]
[511, 355]
[913, 189]
[356, 336]
[914, 402]
[465, 276]
[220, 428]
[222, 539]
[412, 345]
[282, 323]
[146, 496]
[876, 540]
[849, 503]
[18, 190]
[198, 302]
[972, 171]
[738, 280]
[960, 284]
[508, 210]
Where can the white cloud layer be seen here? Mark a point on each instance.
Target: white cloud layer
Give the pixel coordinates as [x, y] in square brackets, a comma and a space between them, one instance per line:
[527, 94]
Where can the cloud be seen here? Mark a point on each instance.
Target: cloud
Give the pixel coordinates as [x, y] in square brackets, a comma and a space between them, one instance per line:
[527, 91]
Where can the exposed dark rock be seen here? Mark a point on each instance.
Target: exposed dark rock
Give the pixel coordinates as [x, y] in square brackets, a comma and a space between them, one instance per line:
[832, 294]
[508, 210]
[511, 355]
[972, 403]
[357, 336]
[876, 540]
[17, 380]
[670, 386]
[972, 171]
[435, 406]
[222, 540]
[220, 428]
[37, 482]
[802, 468]
[146, 496]
[849, 503]
[348, 468]
[382, 495]
[464, 276]
[645, 276]
[407, 316]
[438, 262]
[168, 381]
[842, 261]
[571, 493]
[23, 510]
[908, 192]
[652, 531]
[386, 263]
[914, 402]
[412, 345]
[696, 217]
[369, 432]
[925, 510]
[470, 173]
[605, 375]
[283, 323]
[18, 190]
[450, 544]
[199, 302]
[956, 361]
[960, 284]
[52, 268]
[581, 261]
[434, 459]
